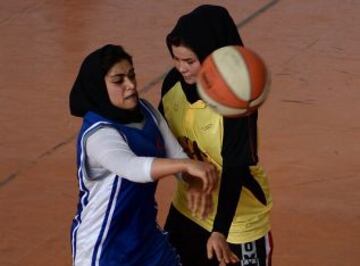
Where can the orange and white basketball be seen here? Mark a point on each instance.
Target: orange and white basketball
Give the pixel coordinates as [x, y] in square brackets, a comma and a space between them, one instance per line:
[234, 81]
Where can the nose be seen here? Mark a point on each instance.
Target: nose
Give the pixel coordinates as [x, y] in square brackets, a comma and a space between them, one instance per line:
[181, 66]
[130, 84]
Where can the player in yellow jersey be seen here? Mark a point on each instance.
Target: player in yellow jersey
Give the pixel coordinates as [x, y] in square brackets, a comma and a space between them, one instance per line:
[237, 230]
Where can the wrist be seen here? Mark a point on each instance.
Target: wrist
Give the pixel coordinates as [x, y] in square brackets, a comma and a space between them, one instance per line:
[218, 234]
[221, 229]
[184, 165]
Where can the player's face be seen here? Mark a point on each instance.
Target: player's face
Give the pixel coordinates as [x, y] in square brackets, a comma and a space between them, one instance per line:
[121, 85]
[186, 62]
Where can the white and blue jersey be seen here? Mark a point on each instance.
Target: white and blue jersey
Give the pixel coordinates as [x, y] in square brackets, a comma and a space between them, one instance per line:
[116, 219]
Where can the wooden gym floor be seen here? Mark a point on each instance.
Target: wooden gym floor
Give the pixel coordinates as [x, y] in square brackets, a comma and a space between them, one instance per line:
[309, 127]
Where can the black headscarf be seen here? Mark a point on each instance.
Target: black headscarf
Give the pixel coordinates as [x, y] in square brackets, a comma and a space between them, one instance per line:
[204, 30]
[89, 91]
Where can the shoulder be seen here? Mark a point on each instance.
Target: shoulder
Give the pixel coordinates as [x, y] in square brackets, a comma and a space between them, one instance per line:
[241, 121]
[148, 106]
[171, 78]
[92, 122]
[152, 110]
[104, 131]
[101, 137]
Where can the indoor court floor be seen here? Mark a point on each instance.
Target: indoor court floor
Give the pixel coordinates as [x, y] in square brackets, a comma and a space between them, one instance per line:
[309, 126]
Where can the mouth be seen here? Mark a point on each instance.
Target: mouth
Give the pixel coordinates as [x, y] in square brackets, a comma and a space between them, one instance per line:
[131, 96]
[189, 78]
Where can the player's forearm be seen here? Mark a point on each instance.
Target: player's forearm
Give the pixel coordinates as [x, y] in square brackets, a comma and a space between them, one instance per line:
[162, 167]
[229, 195]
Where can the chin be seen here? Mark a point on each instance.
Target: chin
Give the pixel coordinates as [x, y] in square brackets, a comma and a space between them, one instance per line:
[132, 108]
[133, 105]
[190, 81]
[128, 105]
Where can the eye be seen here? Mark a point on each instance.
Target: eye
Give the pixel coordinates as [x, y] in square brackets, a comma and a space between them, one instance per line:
[176, 60]
[132, 75]
[119, 80]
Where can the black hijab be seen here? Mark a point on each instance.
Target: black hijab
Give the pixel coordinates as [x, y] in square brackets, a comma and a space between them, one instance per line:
[89, 91]
[204, 30]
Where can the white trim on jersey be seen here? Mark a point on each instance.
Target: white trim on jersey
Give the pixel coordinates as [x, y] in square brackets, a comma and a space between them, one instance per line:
[108, 221]
[268, 248]
[85, 186]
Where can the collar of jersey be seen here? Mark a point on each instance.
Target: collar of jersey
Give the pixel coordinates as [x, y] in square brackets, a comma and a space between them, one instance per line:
[199, 104]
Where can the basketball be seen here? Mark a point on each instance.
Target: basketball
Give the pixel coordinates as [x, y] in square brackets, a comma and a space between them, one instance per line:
[234, 81]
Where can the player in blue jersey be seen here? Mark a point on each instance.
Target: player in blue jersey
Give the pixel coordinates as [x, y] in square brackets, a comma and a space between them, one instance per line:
[124, 147]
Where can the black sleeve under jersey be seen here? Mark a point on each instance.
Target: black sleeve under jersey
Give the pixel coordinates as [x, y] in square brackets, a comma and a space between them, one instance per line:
[161, 106]
[239, 150]
[169, 81]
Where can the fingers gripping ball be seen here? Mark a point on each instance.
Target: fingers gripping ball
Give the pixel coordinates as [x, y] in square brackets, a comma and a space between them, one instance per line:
[234, 81]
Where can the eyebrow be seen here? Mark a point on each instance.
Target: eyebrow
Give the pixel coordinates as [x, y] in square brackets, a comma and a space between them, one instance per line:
[184, 59]
[122, 74]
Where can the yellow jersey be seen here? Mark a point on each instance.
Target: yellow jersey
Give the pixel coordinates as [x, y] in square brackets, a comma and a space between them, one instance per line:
[200, 131]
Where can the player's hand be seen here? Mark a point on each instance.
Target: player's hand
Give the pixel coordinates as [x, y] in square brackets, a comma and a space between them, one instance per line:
[222, 263]
[217, 245]
[200, 203]
[206, 172]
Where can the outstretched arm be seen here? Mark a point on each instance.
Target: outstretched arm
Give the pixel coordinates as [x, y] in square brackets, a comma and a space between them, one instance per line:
[108, 149]
[239, 151]
[205, 172]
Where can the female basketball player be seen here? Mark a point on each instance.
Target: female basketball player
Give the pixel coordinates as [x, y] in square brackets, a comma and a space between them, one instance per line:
[122, 147]
[243, 202]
